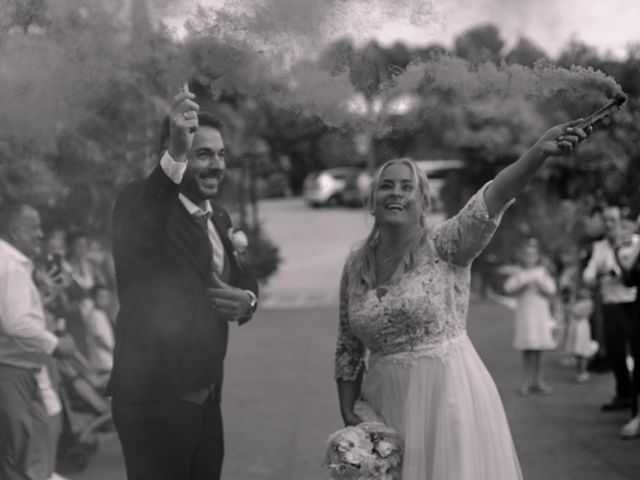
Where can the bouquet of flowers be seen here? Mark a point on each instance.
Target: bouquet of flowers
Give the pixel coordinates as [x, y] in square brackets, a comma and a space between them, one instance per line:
[369, 451]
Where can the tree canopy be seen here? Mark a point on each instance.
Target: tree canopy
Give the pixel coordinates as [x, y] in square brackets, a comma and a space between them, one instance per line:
[86, 84]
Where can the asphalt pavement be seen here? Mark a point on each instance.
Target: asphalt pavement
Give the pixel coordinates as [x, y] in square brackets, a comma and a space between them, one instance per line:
[280, 404]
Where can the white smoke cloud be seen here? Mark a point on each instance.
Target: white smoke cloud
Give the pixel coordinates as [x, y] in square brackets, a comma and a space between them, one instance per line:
[609, 26]
[283, 32]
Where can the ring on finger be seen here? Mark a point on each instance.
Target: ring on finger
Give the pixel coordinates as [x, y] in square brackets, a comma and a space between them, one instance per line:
[187, 115]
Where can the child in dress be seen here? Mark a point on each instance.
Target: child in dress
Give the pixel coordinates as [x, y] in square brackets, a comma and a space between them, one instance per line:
[534, 288]
[568, 283]
[579, 342]
[99, 336]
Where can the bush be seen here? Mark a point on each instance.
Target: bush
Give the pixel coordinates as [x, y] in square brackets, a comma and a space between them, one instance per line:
[264, 255]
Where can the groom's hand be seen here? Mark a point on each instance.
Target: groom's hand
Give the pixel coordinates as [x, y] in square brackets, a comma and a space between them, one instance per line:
[183, 122]
[231, 303]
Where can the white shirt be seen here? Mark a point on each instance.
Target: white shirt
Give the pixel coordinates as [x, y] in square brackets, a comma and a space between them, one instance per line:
[175, 171]
[214, 238]
[603, 268]
[24, 338]
[49, 395]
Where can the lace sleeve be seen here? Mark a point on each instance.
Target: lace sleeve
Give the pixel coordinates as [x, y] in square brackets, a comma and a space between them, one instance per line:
[349, 359]
[460, 239]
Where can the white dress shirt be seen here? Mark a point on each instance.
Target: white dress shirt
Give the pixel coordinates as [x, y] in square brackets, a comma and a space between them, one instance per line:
[175, 171]
[48, 393]
[604, 270]
[214, 237]
[24, 339]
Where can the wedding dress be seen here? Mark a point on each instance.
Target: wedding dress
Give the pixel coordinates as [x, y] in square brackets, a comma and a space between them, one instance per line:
[423, 376]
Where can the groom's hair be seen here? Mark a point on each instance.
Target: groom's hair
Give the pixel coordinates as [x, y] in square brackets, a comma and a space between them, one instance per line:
[205, 119]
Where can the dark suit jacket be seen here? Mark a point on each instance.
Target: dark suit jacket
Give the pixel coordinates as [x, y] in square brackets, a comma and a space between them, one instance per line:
[169, 341]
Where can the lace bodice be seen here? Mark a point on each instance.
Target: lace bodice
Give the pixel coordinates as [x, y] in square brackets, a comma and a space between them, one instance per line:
[428, 305]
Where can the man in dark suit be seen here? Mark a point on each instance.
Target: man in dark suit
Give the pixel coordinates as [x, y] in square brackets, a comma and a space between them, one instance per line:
[179, 284]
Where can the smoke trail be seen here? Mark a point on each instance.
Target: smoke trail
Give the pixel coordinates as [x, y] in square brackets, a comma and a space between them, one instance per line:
[460, 82]
[267, 48]
[272, 41]
[52, 80]
[246, 47]
[468, 81]
[297, 28]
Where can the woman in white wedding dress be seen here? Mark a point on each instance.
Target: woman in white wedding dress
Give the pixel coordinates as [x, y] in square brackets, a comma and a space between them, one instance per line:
[404, 297]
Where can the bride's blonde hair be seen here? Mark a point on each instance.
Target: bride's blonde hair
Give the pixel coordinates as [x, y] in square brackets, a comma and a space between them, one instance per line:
[361, 264]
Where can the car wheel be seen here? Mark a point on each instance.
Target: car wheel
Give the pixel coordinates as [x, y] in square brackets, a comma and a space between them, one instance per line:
[334, 201]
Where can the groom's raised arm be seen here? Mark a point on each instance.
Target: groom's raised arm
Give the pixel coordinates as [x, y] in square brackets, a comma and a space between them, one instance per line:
[143, 208]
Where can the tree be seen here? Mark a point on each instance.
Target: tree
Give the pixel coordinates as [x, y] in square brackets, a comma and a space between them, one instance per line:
[479, 44]
[430, 52]
[578, 53]
[368, 70]
[338, 56]
[22, 14]
[525, 53]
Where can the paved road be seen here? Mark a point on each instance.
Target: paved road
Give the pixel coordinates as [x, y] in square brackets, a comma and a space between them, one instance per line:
[280, 404]
[313, 244]
[279, 398]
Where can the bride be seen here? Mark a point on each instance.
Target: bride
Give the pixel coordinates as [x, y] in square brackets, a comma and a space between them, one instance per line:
[404, 296]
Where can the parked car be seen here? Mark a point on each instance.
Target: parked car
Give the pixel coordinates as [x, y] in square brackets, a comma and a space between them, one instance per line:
[327, 187]
[349, 185]
[356, 189]
[437, 172]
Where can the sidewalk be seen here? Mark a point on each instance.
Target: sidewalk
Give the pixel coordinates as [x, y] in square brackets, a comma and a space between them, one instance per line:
[280, 404]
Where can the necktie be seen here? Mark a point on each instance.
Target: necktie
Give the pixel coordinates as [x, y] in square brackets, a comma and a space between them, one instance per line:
[202, 217]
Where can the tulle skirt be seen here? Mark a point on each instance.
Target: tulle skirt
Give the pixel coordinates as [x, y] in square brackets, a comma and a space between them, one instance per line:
[578, 341]
[446, 405]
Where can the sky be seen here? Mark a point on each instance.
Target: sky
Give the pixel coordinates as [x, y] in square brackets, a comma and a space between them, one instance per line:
[608, 25]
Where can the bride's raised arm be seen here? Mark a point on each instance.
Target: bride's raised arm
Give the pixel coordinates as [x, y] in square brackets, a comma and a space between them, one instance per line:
[557, 141]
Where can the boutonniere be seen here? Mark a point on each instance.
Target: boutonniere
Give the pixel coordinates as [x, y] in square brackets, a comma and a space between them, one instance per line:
[239, 241]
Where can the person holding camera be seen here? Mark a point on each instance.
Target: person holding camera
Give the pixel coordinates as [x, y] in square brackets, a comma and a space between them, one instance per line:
[618, 305]
[628, 256]
[25, 348]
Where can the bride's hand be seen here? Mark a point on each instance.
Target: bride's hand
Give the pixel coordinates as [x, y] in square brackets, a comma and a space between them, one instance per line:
[352, 420]
[562, 139]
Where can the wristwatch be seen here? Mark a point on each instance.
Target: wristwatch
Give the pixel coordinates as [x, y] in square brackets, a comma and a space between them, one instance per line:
[253, 303]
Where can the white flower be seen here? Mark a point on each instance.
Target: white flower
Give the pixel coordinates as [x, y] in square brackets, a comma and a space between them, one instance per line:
[353, 457]
[355, 437]
[385, 448]
[370, 451]
[357, 456]
[239, 241]
[341, 471]
[376, 469]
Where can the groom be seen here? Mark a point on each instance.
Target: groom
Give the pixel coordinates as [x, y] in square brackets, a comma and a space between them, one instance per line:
[179, 285]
